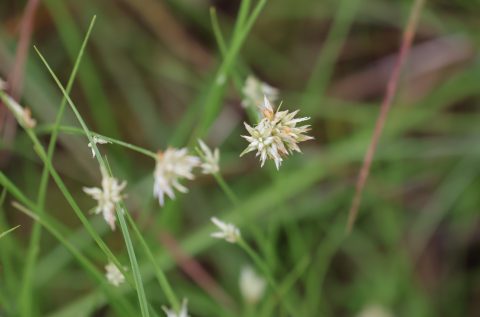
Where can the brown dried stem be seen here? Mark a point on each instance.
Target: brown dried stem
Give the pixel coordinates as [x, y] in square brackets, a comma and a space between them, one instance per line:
[391, 90]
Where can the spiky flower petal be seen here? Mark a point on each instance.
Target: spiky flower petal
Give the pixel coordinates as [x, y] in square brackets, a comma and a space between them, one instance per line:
[228, 231]
[172, 166]
[107, 197]
[210, 159]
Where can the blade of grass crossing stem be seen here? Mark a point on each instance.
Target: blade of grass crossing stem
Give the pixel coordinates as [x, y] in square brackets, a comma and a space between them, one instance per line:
[322, 71]
[392, 85]
[26, 292]
[142, 298]
[217, 88]
[162, 280]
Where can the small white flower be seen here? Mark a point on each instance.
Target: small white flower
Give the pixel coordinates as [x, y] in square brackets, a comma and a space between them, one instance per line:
[114, 275]
[254, 90]
[172, 166]
[23, 115]
[182, 313]
[210, 159]
[276, 135]
[97, 140]
[252, 285]
[228, 231]
[107, 197]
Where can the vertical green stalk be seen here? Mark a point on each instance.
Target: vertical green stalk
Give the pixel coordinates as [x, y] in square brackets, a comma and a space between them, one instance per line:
[103, 166]
[26, 292]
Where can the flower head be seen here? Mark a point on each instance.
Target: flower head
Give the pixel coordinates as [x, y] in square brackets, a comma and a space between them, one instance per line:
[113, 274]
[209, 159]
[172, 166]
[22, 114]
[276, 135]
[228, 231]
[182, 313]
[252, 286]
[254, 90]
[107, 197]
[97, 140]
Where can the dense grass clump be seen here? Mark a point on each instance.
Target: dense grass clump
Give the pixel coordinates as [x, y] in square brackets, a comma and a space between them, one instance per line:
[239, 158]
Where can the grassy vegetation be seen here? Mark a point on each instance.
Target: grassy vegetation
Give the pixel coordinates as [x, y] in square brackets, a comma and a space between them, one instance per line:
[146, 75]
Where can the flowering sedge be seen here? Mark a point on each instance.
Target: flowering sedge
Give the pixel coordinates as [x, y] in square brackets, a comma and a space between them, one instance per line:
[254, 90]
[228, 231]
[276, 135]
[210, 159]
[114, 275]
[172, 166]
[107, 197]
[252, 286]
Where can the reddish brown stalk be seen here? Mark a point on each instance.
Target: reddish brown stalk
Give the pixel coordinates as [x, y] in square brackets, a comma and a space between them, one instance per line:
[392, 85]
[195, 270]
[15, 79]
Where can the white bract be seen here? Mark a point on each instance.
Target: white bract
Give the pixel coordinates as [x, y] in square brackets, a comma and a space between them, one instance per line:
[172, 166]
[228, 231]
[182, 313]
[113, 274]
[254, 90]
[97, 140]
[276, 135]
[107, 197]
[252, 285]
[210, 159]
[23, 115]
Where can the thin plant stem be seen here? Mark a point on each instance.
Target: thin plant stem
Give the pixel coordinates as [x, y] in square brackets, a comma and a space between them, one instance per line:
[32, 253]
[390, 93]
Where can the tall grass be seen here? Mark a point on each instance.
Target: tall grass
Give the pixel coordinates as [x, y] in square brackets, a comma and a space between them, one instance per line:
[412, 249]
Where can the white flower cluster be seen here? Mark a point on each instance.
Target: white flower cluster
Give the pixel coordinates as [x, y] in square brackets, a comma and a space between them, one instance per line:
[276, 135]
[107, 197]
[254, 90]
[252, 285]
[228, 231]
[173, 165]
[114, 275]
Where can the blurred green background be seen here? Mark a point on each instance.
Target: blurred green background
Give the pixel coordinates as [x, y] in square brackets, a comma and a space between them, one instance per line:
[146, 78]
